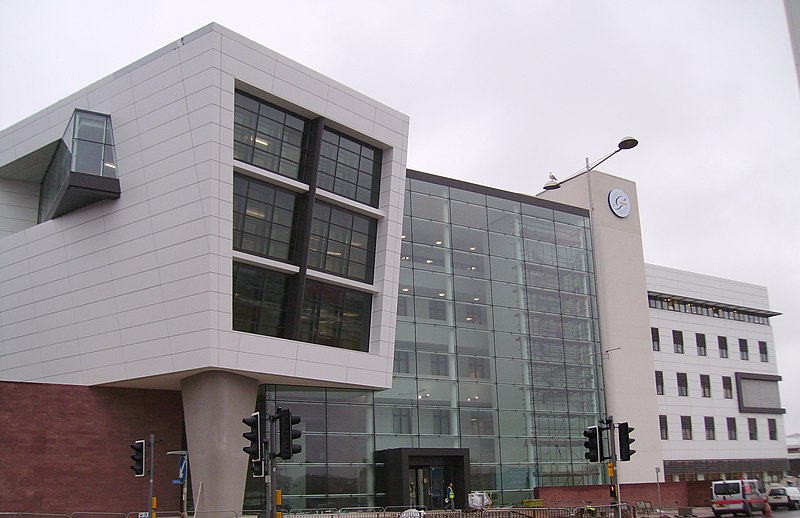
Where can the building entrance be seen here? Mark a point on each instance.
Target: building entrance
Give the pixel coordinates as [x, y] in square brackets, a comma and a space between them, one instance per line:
[418, 477]
[428, 484]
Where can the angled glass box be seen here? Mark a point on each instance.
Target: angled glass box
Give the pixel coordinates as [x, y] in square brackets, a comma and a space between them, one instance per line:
[83, 169]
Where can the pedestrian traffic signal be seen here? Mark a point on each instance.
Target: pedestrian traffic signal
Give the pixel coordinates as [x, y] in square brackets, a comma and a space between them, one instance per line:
[625, 442]
[255, 448]
[139, 451]
[612, 491]
[593, 444]
[288, 434]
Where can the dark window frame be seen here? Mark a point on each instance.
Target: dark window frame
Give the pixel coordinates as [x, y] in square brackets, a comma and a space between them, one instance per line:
[711, 432]
[660, 383]
[349, 168]
[683, 384]
[700, 338]
[677, 341]
[686, 427]
[269, 137]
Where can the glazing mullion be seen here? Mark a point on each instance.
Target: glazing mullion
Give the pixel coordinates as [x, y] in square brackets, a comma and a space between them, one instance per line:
[303, 233]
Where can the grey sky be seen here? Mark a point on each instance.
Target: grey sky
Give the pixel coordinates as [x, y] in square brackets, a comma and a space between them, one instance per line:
[501, 93]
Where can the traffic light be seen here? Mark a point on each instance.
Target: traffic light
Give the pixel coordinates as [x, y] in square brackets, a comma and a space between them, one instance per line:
[288, 434]
[255, 449]
[139, 451]
[593, 443]
[625, 442]
[612, 491]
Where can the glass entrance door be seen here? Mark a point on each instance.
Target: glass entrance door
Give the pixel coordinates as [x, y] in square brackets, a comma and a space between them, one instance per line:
[428, 484]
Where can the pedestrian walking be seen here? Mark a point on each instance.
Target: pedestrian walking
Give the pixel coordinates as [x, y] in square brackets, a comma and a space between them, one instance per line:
[450, 499]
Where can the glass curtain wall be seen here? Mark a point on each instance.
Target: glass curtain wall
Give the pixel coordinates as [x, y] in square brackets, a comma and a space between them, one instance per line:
[496, 351]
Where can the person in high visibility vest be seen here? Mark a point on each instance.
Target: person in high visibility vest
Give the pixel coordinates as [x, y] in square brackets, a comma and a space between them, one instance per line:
[450, 501]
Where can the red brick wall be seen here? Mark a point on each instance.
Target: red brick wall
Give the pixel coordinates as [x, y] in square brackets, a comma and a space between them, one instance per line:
[673, 494]
[66, 448]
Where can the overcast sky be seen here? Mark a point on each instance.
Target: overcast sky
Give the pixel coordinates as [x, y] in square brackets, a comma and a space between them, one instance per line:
[502, 93]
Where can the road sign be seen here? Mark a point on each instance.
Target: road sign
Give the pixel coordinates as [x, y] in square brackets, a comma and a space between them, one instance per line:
[182, 469]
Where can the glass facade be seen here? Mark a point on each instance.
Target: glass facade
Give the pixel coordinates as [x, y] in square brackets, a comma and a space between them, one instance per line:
[496, 351]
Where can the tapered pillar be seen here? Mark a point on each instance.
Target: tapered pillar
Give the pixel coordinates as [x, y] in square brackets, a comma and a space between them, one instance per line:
[214, 404]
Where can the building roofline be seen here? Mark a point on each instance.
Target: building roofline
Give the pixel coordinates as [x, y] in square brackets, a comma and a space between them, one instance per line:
[492, 191]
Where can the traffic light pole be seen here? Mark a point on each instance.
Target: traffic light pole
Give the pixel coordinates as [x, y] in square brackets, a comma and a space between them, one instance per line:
[151, 446]
[272, 468]
[612, 451]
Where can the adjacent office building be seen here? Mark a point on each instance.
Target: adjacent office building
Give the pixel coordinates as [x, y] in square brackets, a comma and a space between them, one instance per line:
[716, 378]
[216, 229]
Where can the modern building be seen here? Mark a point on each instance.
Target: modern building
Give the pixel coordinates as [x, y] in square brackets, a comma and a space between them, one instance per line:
[216, 229]
[716, 378]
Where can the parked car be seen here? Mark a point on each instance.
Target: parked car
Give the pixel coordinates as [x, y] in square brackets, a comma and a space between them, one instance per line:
[784, 497]
[737, 497]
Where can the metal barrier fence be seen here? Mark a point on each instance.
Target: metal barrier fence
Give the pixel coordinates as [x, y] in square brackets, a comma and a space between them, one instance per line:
[586, 511]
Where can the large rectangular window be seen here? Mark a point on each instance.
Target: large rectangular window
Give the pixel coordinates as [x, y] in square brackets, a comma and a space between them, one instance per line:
[335, 316]
[701, 344]
[772, 425]
[677, 341]
[264, 218]
[744, 352]
[268, 136]
[342, 243]
[349, 168]
[655, 338]
[259, 300]
[683, 384]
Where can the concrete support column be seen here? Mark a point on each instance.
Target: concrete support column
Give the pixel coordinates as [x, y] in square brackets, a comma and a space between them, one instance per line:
[214, 404]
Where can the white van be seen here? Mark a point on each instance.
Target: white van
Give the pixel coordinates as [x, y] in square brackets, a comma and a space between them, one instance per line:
[784, 496]
[737, 497]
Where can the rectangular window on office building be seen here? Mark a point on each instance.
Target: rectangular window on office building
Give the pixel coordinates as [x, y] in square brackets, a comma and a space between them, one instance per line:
[722, 341]
[727, 387]
[264, 218]
[705, 385]
[664, 427]
[349, 168]
[677, 341]
[335, 316]
[683, 384]
[268, 136]
[686, 427]
[711, 433]
[342, 243]
[701, 344]
[744, 354]
[401, 420]
[660, 383]
[656, 339]
[762, 351]
[772, 425]
[259, 300]
[731, 428]
[752, 428]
